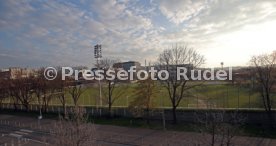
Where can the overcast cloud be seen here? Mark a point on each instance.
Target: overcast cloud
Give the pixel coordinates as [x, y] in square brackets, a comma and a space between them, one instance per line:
[50, 33]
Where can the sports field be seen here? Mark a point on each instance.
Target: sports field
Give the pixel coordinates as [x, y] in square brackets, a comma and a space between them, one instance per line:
[215, 95]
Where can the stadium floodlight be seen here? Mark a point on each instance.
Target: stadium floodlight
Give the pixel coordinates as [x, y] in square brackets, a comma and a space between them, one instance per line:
[98, 55]
[98, 51]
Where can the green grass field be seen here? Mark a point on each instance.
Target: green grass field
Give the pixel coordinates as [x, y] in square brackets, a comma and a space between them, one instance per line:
[227, 96]
[217, 95]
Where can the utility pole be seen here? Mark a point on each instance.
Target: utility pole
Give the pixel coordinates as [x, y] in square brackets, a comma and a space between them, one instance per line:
[98, 56]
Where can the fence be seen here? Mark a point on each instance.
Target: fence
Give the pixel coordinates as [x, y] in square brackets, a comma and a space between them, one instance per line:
[183, 115]
[216, 95]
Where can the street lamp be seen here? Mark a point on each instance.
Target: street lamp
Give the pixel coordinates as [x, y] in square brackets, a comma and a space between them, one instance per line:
[98, 56]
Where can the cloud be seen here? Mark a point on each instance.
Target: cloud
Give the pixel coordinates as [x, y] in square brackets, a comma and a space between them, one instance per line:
[217, 15]
[202, 24]
[205, 20]
[64, 32]
[178, 11]
[7, 55]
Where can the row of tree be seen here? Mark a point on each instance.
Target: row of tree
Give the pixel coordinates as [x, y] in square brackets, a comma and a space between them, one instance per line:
[37, 88]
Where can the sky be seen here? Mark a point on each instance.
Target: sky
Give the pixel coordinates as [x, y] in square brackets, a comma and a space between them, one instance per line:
[62, 33]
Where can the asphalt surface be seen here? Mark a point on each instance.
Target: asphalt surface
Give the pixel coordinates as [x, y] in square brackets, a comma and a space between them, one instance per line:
[25, 131]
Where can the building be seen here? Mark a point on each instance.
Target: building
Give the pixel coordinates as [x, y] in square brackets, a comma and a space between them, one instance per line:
[16, 72]
[126, 65]
[5, 74]
[172, 69]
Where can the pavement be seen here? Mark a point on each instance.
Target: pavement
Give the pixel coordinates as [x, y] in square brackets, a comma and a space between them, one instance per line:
[26, 131]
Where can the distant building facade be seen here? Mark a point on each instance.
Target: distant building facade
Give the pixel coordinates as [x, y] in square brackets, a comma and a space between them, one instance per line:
[127, 65]
[16, 72]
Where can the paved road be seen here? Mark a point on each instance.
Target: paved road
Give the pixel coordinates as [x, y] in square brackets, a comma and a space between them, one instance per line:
[26, 131]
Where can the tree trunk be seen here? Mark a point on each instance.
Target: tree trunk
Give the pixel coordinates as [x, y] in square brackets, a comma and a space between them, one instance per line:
[26, 105]
[267, 105]
[148, 116]
[174, 115]
[15, 103]
[64, 110]
[213, 134]
[109, 110]
[109, 100]
[270, 119]
[15, 107]
[45, 106]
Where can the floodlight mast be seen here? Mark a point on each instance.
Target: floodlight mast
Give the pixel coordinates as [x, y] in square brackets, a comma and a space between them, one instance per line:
[98, 56]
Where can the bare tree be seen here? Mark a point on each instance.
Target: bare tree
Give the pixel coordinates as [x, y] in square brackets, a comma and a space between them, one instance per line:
[11, 93]
[40, 88]
[43, 89]
[144, 95]
[219, 127]
[51, 93]
[75, 90]
[170, 59]
[75, 131]
[265, 74]
[3, 90]
[112, 91]
[62, 98]
[61, 88]
[22, 90]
